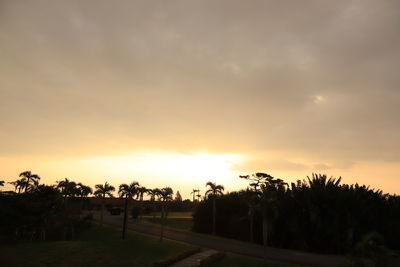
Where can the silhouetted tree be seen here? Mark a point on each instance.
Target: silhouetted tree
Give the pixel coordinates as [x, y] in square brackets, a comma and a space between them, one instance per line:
[265, 187]
[140, 192]
[19, 184]
[83, 191]
[165, 194]
[198, 195]
[178, 196]
[32, 180]
[154, 193]
[252, 197]
[102, 191]
[128, 192]
[68, 188]
[194, 191]
[213, 192]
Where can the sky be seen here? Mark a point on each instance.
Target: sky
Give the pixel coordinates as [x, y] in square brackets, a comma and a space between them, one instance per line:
[178, 93]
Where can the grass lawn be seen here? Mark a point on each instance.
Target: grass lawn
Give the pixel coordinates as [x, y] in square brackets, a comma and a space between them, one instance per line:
[233, 260]
[173, 214]
[98, 246]
[171, 222]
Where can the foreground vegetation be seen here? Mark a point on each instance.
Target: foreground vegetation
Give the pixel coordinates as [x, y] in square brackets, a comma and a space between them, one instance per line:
[316, 215]
[98, 246]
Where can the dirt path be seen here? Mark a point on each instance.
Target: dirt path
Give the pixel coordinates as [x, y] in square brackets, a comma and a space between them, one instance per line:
[236, 247]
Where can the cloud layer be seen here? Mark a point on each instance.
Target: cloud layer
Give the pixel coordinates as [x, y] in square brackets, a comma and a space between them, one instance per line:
[316, 80]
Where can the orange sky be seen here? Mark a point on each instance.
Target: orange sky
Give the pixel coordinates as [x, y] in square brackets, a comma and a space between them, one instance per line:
[181, 92]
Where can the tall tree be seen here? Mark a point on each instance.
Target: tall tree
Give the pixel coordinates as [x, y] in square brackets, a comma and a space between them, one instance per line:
[166, 195]
[128, 192]
[83, 191]
[198, 195]
[141, 191]
[153, 194]
[213, 192]
[178, 196]
[102, 191]
[268, 188]
[194, 191]
[19, 184]
[67, 188]
[32, 180]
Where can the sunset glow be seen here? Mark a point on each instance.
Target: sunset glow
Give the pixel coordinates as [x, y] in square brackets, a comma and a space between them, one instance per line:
[182, 92]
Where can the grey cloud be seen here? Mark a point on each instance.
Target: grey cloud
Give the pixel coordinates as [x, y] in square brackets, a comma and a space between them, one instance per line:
[222, 75]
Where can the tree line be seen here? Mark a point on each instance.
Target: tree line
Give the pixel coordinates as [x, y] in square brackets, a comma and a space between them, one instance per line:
[35, 209]
[318, 214]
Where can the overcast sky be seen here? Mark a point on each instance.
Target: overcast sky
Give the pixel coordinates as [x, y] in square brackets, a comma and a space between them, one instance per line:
[294, 86]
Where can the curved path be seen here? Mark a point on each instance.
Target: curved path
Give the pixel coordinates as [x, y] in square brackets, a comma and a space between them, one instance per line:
[237, 247]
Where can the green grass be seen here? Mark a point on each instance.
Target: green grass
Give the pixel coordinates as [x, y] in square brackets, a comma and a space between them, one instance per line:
[99, 246]
[233, 260]
[173, 214]
[173, 223]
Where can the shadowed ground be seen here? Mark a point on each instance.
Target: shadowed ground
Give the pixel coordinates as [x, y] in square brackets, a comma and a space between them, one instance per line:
[98, 246]
[233, 246]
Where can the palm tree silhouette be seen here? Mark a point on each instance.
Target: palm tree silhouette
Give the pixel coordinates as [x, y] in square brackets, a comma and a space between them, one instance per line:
[270, 189]
[153, 193]
[102, 191]
[30, 177]
[252, 197]
[19, 184]
[127, 191]
[68, 188]
[194, 191]
[165, 194]
[83, 191]
[141, 191]
[213, 192]
[198, 195]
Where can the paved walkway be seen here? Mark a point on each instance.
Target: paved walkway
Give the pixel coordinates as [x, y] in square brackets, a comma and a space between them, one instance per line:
[237, 247]
[194, 260]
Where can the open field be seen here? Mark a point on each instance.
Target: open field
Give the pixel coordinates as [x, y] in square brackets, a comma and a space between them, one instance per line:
[99, 246]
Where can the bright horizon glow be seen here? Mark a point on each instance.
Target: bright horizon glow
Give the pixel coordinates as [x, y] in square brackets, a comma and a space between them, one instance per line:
[151, 169]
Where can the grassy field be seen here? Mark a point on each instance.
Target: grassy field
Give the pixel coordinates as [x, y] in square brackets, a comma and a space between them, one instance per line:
[233, 260]
[171, 222]
[99, 246]
[172, 214]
